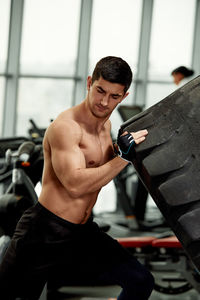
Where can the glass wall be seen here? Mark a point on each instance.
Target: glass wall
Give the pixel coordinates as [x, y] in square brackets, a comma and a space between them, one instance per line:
[115, 31]
[42, 100]
[4, 30]
[50, 37]
[49, 49]
[2, 86]
[157, 91]
[171, 45]
[172, 36]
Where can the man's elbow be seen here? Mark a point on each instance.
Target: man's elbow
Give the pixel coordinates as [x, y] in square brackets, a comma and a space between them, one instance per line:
[74, 191]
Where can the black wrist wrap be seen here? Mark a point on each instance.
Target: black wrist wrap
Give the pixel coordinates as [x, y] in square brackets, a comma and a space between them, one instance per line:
[125, 146]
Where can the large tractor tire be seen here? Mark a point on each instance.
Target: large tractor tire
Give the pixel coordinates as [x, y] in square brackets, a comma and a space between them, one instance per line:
[168, 161]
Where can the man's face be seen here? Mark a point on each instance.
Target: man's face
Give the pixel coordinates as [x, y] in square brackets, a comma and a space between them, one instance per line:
[104, 96]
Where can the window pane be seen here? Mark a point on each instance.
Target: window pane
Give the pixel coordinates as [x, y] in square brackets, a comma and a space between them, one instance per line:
[172, 36]
[2, 86]
[156, 92]
[42, 100]
[115, 30]
[50, 36]
[4, 30]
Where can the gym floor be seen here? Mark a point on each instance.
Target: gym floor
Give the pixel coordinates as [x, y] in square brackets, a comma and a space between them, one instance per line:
[98, 294]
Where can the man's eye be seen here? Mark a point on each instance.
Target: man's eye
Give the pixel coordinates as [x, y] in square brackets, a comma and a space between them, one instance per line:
[100, 91]
[115, 97]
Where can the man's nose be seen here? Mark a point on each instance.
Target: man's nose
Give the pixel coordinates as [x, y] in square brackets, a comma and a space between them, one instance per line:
[104, 100]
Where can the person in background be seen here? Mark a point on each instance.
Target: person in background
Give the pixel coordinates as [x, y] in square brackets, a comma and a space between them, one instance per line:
[182, 75]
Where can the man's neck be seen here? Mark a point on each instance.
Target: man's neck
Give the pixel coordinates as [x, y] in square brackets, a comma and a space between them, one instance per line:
[91, 121]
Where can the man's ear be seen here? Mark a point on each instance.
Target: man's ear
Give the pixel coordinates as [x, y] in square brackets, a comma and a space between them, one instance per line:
[125, 95]
[89, 82]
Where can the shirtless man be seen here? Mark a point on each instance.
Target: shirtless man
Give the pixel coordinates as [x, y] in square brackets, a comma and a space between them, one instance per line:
[57, 240]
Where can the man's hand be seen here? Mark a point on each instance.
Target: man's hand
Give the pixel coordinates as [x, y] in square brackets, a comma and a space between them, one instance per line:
[138, 136]
[127, 141]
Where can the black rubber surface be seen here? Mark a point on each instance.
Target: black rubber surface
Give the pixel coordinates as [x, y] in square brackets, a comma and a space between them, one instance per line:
[168, 161]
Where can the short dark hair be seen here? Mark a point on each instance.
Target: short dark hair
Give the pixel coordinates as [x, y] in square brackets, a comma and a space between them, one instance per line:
[183, 70]
[113, 69]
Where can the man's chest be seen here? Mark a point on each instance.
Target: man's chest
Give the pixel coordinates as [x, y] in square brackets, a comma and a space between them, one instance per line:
[96, 149]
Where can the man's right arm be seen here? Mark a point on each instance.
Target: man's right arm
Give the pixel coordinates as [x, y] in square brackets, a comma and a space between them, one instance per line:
[69, 163]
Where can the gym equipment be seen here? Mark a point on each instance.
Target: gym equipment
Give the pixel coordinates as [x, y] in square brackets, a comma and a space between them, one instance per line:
[165, 258]
[4, 242]
[35, 134]
[168, 161]
[23, 171]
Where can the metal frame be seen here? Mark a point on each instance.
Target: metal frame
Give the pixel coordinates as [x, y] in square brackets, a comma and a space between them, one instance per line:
[143, 58]
[12, 68]
[83, 51]
[196, 44]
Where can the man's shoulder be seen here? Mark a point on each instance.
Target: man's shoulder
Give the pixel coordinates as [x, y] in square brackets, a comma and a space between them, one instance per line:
[65, 120]
[64, 125]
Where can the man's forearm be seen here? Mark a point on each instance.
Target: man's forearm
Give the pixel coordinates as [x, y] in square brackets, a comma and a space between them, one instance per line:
[89, 180]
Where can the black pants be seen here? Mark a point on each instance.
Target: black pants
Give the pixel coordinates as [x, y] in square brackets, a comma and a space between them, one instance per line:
[46, 248]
